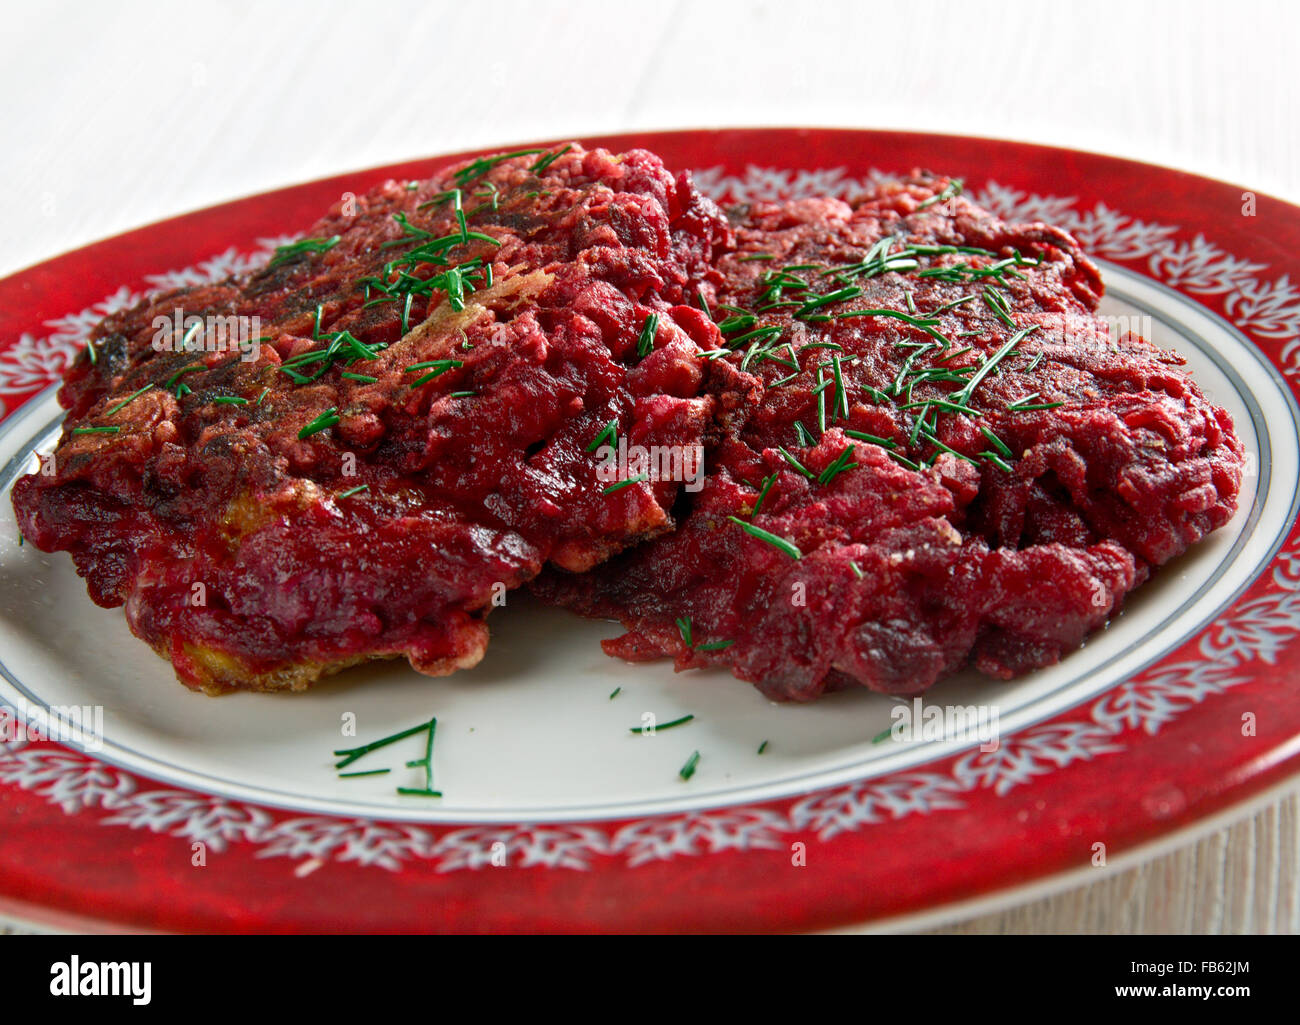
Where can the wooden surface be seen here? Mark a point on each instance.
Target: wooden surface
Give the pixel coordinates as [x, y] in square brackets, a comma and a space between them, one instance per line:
[115, 115]
[1240, 879]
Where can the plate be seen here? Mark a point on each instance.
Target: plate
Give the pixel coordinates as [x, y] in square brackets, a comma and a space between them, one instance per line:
[162, 809]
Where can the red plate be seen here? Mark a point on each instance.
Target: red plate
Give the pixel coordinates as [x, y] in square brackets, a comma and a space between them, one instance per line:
[1151, 735]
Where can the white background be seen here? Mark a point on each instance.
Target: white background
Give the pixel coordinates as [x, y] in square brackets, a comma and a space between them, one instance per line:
[117, 114]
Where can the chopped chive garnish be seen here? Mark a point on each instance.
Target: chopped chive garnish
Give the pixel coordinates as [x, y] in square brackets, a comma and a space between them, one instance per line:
[684, 628]
[798, 466]
[363, 378]
[440, 198]
[549, 159]
[995, 441]
[920, 423]
[646, 341]
[440, 363]
[615, 693]
[857, 570]
[998, 304]
[756, 256]
[294, 250]
[950, 191]
[493, 196]
[762, 747]
[926, 324]
[95, 430]
[460, 218]
[774, 540]
[122, 404]
[327, 419]
[997, 461]
[871, 438]
[758, 333]
[440, 367]
[477, 168]
[230, 400]
[952, 305]
[767, 486]
[412, 234]
[639, 479]
[427, 763]
[463, 394]
[665, 726]
[817, 302]
[172, 381]
[370, 772]
[951, 407]
[958, 352]
[951, 451]
[739, 322]
[90, 352]
[354, 491]
[608, 436]
[841, 395]
[962, 397]
[688, 770]
[194, 331]
[351, 754]
[844, 461]
[882, 735]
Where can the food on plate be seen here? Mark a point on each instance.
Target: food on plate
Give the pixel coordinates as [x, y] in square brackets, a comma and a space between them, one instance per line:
[403, 436]
[822, 443]
[947, 458]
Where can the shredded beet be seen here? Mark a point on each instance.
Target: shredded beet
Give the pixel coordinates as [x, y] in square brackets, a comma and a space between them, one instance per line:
[922, 448]
[977, 476]
[386, 469]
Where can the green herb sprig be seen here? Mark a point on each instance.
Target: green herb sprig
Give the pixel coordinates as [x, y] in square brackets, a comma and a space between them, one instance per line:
[297, 250]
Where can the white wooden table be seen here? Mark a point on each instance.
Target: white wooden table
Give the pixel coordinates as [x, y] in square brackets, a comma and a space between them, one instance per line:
[115, 115]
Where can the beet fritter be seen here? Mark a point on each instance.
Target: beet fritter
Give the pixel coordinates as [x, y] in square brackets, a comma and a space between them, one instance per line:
[411, 439]
[947, 459]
